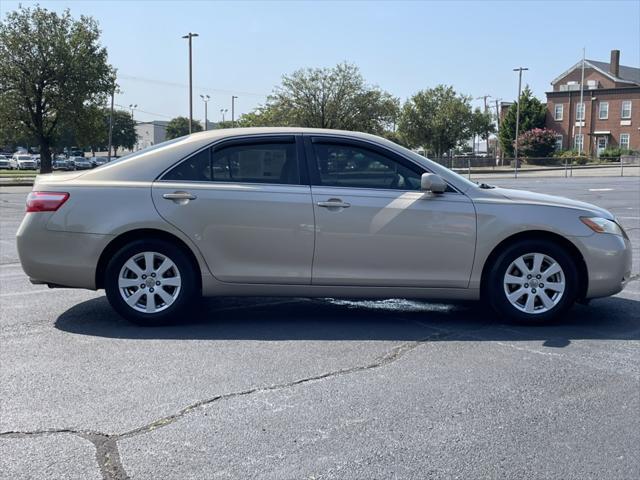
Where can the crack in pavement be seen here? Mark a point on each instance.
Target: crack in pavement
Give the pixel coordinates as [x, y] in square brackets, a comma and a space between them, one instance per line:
[108, 456]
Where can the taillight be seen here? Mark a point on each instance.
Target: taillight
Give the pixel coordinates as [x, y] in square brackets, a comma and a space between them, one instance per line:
[45, 201]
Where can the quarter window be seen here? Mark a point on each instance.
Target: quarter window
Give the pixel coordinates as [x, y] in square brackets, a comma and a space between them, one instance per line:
[559, 110]
[624, 141]
[196, 168]
[351, 166]
[580, 111]
[626, 109]
[603, 111]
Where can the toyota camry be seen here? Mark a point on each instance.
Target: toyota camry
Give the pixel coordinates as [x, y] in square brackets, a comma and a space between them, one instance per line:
[311, 213]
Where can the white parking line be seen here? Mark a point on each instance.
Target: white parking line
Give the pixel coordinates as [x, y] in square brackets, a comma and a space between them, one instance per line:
[31, 292]
[600, 189]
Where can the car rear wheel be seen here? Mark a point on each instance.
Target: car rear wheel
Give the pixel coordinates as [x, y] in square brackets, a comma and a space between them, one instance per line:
[151, 282]
[533, 282]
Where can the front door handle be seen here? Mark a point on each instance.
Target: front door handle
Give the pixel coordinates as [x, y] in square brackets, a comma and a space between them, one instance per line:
[181, 198]
[334, 203]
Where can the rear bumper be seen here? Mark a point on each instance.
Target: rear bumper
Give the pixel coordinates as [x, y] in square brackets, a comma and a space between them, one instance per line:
[58, 258]
[608, 260]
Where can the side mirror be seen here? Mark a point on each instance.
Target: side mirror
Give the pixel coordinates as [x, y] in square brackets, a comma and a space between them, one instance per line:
[430, 182]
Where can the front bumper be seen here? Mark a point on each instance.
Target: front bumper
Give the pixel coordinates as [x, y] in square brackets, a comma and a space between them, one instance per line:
[608, 260]
[58, 258]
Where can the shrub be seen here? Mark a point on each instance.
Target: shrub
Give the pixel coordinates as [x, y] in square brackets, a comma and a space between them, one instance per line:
[615, 152]
[537, 143]
[571, 156]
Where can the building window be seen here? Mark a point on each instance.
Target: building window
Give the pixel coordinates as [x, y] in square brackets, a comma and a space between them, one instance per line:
[558, 142]
[580, 111]
[603, 111]
[558, 112]
[578, 142]
[624, 141]
[626, 109]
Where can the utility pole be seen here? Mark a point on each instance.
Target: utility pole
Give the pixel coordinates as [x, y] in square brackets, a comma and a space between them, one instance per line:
[205, 99]
[113, 92]
[486, 133]
[190, 35]
[233, 111]
[519, 70]
[497, 100]
[584, 113]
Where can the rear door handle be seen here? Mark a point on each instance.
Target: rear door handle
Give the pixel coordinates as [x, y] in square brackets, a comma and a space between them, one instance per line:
[180, 197]
[334, 203]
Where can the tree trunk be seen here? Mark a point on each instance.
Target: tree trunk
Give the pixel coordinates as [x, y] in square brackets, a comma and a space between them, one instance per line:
[45, 157]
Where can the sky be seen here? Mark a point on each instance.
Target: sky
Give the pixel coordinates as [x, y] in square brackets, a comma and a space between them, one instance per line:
[244, 48]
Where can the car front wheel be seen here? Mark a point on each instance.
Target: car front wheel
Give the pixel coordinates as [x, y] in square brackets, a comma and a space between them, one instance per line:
[151, 282]
[533, 282]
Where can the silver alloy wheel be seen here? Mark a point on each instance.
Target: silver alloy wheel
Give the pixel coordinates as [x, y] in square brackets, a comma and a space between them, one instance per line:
[534, 283]
[149, 282]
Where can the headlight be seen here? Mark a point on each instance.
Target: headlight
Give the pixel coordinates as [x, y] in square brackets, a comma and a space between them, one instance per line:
[602, 225]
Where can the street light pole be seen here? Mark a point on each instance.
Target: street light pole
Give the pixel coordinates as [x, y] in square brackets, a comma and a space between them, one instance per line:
[113, 93]
[223, 111]
[132, 107]
[205, 99]
[233, 111]
[190, 35]
[519, 70]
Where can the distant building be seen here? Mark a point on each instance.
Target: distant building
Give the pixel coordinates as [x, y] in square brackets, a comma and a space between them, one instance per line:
[610, 113]
[150, 133]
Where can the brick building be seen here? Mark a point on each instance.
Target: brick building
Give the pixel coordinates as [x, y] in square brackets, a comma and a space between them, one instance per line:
[610, 112]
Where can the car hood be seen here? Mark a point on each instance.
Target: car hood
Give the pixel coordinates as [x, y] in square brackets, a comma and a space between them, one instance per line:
[524, 196]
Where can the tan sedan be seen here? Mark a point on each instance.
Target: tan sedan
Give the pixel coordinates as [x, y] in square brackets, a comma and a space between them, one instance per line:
[315, 213]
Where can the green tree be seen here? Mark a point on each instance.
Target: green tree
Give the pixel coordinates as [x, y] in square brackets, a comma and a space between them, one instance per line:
[260, 117]
[124, 130]
[52, 68]
[88, 130]
[336, 97]
[532, 115]
[436, 118]
[179, 127]
[482, 125]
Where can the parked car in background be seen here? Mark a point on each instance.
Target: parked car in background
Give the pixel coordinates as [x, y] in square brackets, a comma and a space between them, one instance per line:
[25, 162]
[76, 152]
[60, 162]
[6, 163]
[312, 213]
[97, 161]
[82, 163]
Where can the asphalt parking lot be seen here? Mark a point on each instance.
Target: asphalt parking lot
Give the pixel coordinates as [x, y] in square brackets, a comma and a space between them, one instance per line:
[314, 389]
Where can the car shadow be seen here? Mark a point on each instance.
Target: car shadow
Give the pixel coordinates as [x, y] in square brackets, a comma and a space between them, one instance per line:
[277, 319]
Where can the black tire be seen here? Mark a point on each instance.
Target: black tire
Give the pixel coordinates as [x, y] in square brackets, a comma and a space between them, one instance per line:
[187, 296]
[496, 295]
